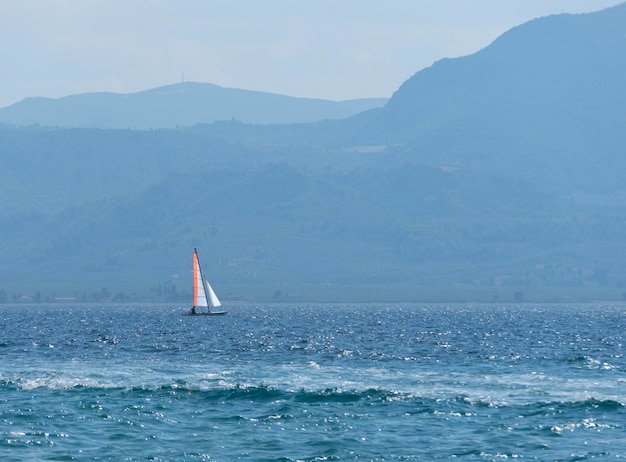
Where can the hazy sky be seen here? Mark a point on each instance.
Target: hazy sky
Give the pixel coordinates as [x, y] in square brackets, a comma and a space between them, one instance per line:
[333, 49]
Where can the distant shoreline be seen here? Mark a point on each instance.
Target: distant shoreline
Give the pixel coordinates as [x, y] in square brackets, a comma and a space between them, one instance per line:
[23, 293]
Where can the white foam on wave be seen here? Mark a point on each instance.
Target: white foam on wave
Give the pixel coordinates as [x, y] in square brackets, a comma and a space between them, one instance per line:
[524, 388]
[493, 389]
[61, 383]
[75, 374]
[587, 423]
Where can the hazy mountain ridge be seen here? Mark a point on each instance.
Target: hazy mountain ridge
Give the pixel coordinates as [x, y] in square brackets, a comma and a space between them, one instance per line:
[175, 105]
[539, 93]
[477, 173]
[533, 67]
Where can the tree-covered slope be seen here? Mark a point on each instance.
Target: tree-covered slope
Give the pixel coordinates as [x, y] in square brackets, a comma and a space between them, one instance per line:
[501, 169]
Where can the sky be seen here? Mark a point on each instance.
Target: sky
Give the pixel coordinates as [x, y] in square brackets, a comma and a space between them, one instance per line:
[330, 49]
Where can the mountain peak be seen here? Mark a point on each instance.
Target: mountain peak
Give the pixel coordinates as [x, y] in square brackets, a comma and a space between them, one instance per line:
[545, 66]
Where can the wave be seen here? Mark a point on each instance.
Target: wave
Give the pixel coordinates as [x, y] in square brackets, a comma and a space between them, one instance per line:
[591, 363]
[590, 404]
[220, 391]
[55, 384]
[265, 394]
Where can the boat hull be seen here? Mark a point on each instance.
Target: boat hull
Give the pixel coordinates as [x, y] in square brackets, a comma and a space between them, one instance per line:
[214, 313]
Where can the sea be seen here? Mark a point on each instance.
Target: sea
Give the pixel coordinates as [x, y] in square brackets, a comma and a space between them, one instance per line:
[313, 382]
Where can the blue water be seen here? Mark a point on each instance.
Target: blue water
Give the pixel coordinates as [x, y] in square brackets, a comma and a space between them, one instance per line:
[313, 383]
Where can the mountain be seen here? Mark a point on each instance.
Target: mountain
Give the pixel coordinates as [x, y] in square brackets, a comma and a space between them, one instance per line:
[176, 105]
[548, 95]
[495, 176]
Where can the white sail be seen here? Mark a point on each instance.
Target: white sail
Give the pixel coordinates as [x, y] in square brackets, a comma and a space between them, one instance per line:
[214, 302]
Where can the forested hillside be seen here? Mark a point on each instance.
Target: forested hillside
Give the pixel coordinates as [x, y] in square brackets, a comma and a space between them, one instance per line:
[495, 176]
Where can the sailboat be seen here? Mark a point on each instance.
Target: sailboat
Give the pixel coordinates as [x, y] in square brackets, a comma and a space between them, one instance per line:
[205, 301]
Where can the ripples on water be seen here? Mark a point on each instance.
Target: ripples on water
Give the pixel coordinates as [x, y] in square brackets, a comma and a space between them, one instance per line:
[313, 382]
